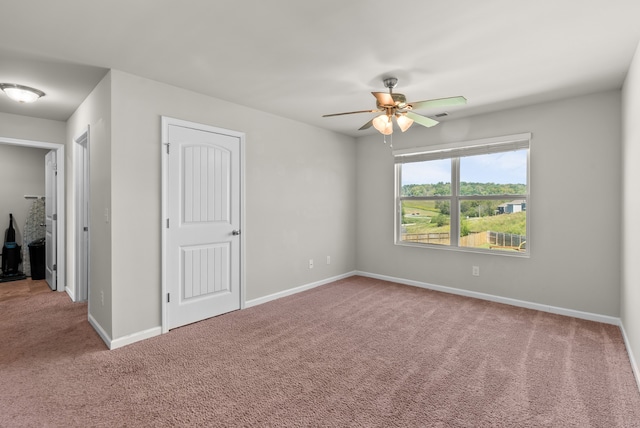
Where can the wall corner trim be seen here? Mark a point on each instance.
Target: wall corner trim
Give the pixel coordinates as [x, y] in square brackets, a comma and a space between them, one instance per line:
[125, 340]
[101, 332]
[634, 362]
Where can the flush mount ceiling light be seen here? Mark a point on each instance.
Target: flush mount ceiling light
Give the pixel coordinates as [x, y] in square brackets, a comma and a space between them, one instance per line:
[21, 94]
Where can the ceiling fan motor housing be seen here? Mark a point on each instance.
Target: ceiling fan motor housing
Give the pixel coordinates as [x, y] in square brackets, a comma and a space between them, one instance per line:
[399, 101]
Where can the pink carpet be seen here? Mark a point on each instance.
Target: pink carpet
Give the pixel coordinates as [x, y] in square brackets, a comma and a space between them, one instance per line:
[358, 352]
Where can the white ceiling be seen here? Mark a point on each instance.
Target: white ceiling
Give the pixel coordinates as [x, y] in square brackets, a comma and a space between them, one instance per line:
[302, 59]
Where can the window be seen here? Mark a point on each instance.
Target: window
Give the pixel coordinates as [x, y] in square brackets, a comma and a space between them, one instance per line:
[472, 195]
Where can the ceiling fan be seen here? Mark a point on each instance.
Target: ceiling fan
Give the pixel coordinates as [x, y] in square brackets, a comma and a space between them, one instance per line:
[393, 105]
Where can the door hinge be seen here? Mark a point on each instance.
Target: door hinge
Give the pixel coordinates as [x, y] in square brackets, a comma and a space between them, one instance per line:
[168, 297]
[55, 267]
[167, 223]
[167, 144]
[55, 217]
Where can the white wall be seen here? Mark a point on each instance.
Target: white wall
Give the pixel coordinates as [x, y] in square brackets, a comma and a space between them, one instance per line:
[300, 196]
[573, 209]
[630, 298]
[21, 173]
[95, 111]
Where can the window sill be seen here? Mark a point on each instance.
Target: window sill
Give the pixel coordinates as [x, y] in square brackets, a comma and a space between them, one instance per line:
[517, 254]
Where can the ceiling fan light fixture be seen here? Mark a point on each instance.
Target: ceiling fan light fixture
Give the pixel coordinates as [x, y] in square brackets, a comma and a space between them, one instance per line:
[20, 93]
[394, 104]
[383, 124]
[404, 122]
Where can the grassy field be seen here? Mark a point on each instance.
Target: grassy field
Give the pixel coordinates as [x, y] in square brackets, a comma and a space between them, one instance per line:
[419, 218]
[515, 223]
[420, 208]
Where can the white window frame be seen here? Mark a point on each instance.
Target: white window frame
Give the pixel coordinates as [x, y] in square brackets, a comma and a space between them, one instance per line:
[454, 151]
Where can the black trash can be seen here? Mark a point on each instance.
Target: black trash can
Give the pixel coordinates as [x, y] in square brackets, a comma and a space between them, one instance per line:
[37, 258]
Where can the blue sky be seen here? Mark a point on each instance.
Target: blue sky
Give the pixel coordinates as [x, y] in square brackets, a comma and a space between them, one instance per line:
[501, 168]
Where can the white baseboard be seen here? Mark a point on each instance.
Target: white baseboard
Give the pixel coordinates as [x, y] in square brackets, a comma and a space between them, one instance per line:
[474, 294]
[70, 293]
[135, 337]
[274, 296]
[634, 363]
[506, 300]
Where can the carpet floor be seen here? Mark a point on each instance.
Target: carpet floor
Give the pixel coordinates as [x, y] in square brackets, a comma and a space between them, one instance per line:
[357, 352]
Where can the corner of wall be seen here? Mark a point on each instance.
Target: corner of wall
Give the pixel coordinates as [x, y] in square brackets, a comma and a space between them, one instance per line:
[630, 279]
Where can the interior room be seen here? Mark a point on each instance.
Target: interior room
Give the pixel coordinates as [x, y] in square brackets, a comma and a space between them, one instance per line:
[22, 193]
[281, 91]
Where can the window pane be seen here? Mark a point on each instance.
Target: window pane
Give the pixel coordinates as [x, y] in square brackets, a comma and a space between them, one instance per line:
[502, 173]
[429, 178]
[427, 222]
[496, 224]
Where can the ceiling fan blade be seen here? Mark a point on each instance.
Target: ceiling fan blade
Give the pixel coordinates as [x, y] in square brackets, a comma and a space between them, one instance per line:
[422, 120]
[439, 102]
[384, 98]
[350, 112]
[367, 125]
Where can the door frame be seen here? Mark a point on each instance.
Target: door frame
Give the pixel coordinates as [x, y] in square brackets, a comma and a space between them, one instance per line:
[164, 144]
[82, 198]
[60, 204]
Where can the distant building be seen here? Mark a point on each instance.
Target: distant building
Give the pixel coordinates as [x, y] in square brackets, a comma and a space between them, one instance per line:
[512, 207]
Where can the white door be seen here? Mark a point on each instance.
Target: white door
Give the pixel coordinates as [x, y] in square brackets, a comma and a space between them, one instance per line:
[51, 219]
[82, 217]
[202, 241]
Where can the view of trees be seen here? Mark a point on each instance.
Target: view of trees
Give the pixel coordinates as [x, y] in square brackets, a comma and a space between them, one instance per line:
[466, 189]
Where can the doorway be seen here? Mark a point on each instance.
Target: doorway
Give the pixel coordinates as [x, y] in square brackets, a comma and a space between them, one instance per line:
[58, 157]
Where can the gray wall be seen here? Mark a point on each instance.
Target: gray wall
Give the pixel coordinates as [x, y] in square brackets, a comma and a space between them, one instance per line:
[95, 112]
[630, 311]
[31, 128]
[300, 196]
[575, 195]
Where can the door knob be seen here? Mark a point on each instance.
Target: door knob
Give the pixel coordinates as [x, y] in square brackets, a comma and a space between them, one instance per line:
[235, 232]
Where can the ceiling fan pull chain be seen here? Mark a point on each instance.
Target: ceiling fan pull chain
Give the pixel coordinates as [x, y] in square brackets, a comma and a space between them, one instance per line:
[384, 138]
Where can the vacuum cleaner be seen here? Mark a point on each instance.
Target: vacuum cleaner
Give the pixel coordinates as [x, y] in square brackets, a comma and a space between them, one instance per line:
[11, 256]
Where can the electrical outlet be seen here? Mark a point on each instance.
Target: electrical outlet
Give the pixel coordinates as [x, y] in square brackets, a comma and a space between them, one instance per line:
[328, 260]
[475, 270]
[310, 263]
